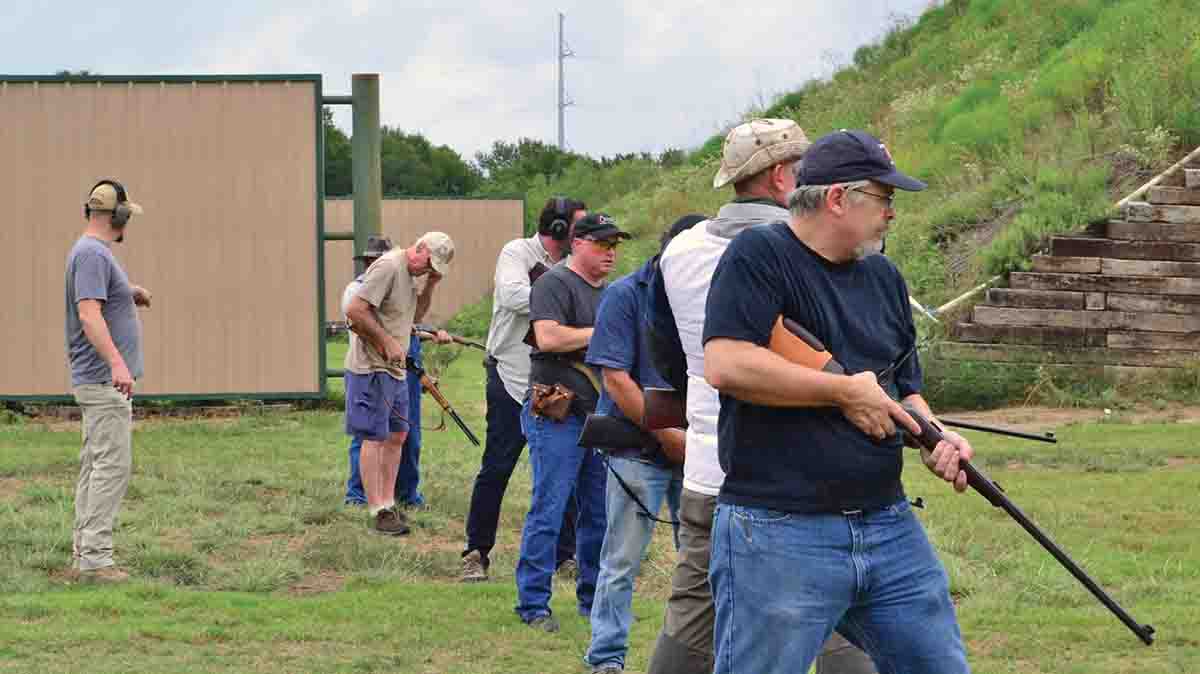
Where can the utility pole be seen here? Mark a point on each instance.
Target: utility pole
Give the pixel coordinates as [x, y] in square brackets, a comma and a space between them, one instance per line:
[561, 52]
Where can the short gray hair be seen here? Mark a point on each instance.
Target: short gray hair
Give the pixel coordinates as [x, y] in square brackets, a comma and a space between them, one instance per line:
[807, 200]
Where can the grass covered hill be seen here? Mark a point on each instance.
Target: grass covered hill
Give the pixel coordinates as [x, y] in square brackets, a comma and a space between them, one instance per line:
[1027, 118]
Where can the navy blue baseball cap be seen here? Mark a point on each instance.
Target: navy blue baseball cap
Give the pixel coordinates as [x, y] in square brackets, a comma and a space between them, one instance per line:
[846, 156]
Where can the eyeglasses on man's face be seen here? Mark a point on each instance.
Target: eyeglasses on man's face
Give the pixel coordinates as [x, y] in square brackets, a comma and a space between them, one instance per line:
[887, 199]
[604, 244]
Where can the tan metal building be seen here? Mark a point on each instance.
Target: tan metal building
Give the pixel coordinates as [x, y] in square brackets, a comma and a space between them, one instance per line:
[479, 227]
[227, 171]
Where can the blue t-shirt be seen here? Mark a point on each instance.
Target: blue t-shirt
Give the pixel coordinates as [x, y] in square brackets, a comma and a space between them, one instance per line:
[618, 338]
[808, 460]
[94, 274]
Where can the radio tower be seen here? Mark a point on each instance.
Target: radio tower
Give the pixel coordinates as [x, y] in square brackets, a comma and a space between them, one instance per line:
[562, 52]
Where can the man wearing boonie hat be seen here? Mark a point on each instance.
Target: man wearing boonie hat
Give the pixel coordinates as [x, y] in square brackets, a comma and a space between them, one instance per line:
[380, 316]
[813, 531]
[758, 159]
[104, 355]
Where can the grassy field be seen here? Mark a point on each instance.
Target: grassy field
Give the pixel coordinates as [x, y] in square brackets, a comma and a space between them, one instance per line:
[245, 560]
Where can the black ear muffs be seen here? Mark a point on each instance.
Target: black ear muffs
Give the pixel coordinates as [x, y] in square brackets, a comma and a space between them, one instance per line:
[121, 213]
[559, 228]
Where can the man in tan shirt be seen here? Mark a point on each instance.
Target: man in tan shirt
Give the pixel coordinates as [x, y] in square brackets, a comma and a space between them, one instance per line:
[381, 316]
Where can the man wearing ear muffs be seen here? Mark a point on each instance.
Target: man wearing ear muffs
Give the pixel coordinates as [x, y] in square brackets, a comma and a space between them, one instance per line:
[104, 355]
[507, 363]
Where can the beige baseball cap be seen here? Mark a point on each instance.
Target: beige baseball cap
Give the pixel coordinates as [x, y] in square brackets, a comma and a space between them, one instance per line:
[441, 250]
[105, 198]
[758, 145]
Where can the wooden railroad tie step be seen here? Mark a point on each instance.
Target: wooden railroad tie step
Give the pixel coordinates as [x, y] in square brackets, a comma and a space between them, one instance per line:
[1100, 283]
[1152, 231]
[1020, 353]
[1080, 246]
[1086, 320]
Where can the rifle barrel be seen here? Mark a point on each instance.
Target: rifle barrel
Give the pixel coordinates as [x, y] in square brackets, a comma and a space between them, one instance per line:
[1043, 437]
[983, 485]
[931, 435]
[463, 425]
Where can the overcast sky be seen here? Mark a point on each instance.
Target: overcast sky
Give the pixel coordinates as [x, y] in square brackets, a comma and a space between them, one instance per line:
[647, 75]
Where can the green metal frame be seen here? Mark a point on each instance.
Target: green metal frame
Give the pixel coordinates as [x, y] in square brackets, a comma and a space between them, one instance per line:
[319, 130]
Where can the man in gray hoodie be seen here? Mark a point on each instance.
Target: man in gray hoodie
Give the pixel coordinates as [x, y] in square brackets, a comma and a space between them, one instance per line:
[758, 159]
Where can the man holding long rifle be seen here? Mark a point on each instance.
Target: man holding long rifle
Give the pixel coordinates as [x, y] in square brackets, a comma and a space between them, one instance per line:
[812, 530]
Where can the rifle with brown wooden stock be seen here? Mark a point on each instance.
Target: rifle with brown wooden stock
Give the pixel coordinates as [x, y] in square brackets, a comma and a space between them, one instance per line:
[799, 346]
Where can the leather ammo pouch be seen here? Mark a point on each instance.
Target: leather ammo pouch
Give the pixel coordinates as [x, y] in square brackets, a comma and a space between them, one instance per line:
[552, 401]
[556, 401]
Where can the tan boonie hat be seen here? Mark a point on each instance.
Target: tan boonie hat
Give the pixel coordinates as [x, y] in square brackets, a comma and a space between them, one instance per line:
[758, 145]
[104, 198]
[441, 250]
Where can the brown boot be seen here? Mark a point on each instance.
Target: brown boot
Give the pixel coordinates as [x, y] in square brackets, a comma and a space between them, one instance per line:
[473, 568]
[390, 522]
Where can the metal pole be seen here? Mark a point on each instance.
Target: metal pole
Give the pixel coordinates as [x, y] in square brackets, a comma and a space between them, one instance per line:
[367, 176]
[560, 52]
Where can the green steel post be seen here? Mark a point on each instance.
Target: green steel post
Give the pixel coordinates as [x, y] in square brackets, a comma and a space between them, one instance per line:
[365, 162]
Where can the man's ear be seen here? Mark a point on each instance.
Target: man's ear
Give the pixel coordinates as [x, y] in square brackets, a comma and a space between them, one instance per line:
[835, 199]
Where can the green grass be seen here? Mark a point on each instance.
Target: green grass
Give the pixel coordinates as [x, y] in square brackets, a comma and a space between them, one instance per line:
[244, 558]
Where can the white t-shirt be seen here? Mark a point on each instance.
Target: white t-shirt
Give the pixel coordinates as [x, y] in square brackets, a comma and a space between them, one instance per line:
[687, 267]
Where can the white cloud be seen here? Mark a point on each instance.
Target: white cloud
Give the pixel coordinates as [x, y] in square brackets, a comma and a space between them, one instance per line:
[467, 72]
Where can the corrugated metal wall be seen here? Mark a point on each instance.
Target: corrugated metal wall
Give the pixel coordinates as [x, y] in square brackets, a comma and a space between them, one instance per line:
[228, 245]
[480, 228]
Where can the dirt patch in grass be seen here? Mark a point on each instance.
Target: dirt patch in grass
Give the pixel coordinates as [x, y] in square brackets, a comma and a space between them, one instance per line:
[1036, 419]
[1182, 461]
[317, 584]
[11, 488]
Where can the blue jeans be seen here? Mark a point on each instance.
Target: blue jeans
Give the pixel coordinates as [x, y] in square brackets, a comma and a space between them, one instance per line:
[408, 480]
[501, 454]
[560, 466]
[625, 541]
[783, 582]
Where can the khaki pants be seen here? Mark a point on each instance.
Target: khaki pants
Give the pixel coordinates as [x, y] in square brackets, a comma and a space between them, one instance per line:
[105, 463]
[685, 645]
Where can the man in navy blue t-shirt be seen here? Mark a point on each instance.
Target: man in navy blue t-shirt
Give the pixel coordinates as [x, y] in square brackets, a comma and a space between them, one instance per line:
[813, 531]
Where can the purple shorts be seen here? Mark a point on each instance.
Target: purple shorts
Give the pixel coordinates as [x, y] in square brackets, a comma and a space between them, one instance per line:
[376, 405]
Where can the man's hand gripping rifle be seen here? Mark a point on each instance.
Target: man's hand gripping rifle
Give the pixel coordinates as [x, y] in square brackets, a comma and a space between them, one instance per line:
[793, 342]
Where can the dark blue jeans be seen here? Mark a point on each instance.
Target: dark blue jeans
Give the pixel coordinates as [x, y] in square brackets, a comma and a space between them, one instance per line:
[504, 442]
[408, 480]
[783, 582]
[560, 466]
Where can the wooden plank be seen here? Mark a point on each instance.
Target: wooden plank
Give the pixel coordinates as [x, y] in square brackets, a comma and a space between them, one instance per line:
[1174, 195]
[1140, 211]
[1020, 334]
[1096, 338]
[1014, 353]
[1078, 246]
[1098, 283]
[1106, 320]
[1113, 267]
[1159, 304]
[1066, 265]
[1094, 301]
[1037, 299]
[1171, 341]
[1152, 231]
[1191, 178]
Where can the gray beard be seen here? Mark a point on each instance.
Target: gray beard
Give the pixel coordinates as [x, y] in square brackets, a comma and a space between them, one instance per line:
[868, 249]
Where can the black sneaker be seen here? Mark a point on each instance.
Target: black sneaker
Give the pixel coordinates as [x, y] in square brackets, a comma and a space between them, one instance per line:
[545, 623]
[389, 522]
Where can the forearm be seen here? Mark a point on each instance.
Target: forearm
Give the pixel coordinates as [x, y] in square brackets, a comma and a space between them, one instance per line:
[918, 403]
[625, 393]
[96, 331]
[757, 375]
[364, 324]
[557, 338]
